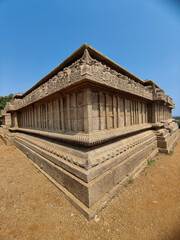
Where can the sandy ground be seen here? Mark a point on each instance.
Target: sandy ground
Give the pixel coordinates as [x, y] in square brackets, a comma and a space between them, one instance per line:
[31, 207]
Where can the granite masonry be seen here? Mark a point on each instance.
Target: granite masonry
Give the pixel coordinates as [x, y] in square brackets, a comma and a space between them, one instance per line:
[90, 126]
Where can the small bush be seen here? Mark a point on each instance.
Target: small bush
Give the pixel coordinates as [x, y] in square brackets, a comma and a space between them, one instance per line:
[150, 162]
[170, 153]
[130, 181]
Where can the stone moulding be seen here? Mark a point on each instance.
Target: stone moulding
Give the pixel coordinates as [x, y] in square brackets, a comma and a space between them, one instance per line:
[84, 139]
[90, 126]
[88, 161]
[89, 184]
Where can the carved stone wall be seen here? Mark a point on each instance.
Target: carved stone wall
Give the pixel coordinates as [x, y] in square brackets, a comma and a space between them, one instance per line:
[63, 113]
[162, 113]
[74, 112]
[91, 126]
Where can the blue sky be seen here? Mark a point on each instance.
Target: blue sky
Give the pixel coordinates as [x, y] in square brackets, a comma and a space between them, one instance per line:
[142, 36]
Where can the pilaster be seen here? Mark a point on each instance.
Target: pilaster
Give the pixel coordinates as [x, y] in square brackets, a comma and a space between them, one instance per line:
[87, 110]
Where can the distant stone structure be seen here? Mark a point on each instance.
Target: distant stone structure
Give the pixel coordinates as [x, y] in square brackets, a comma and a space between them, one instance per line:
[6, 123]
[5, 117]
[90, 126]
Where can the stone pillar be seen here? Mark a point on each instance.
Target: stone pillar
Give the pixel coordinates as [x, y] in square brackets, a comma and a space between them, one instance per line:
[125, 113]
[62, 113]
[15, 119]
[68, 114]
[149, 112]
[142, 112]
[32, 118]
[170, 113]
[102, 116]
[157, 112]
[136, 112]
[35, 117]
[131, 112]
[74, 113]
[107, 113]
[50, 116]
[87, 110]
[41, 117]
[153, 113]
[121, 111]
[146, 114]
[46, 116]
[114, 112]
[118, 112]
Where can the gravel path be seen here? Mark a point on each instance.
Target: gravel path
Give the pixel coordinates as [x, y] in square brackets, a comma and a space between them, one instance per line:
[32, 208]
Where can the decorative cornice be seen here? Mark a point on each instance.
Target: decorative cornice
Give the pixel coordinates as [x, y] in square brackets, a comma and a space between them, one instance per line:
[83, 68]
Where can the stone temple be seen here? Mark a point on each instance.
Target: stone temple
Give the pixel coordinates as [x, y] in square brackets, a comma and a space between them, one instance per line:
[90, 126]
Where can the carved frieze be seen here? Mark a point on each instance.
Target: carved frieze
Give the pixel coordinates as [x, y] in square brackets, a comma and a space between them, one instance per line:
[88, 66]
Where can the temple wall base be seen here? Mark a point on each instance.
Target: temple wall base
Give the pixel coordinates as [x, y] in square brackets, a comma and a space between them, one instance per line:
[90, 189]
